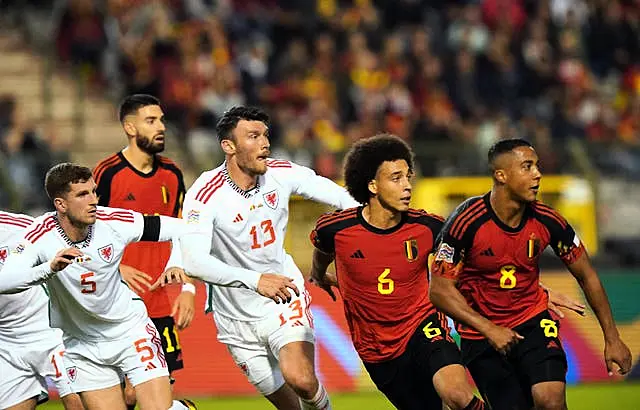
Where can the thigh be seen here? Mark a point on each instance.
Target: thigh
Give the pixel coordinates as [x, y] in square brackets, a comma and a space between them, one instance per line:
[287, 323]
[154, 393]
[109, 398]
[86, 369]
[432, 347]
[540, 356]
[259, 366]
[50, 363]
[140, 356]
[170, 342]
[18, 382]
[495, 376]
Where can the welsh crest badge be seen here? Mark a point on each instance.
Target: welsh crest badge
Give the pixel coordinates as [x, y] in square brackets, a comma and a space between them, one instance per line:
[106, 253]
[72, 372]
[271, 199]
[4, 252]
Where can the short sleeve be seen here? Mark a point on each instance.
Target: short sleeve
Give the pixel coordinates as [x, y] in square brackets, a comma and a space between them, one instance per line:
[562, 238]
[322, 236]
[197, 209]
[128, 224]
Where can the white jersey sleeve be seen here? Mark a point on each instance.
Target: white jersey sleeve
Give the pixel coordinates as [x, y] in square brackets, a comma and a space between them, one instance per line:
[196, 244]
[304, 181]
[129, 225]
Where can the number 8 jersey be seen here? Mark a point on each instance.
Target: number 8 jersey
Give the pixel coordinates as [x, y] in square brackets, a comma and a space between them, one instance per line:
[247, 228]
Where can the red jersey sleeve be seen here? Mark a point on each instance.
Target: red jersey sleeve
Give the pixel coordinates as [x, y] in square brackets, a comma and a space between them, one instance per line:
[324, 233]
[562, 238]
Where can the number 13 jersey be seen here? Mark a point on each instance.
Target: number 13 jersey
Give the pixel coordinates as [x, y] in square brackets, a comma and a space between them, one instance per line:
[247, 228]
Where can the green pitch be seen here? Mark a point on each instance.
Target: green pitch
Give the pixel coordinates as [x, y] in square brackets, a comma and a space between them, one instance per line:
[587, 397]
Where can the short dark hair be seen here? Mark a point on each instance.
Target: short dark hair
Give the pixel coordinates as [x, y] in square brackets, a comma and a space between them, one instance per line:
[132, 103]
[365, 157]
[230, 119]
[59, 178]
[504, 146]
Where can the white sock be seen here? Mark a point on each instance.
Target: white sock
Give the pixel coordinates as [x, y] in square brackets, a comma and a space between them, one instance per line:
[176, 405]
[320, 401]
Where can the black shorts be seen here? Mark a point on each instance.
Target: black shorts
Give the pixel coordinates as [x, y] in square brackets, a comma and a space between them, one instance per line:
[505, 381]
[170, 342]
[407, 380]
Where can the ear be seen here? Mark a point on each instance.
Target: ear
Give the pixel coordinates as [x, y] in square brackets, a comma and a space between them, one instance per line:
[500, 176]
[60, 204]
[373, 187]
[129, 128]
[228, 146]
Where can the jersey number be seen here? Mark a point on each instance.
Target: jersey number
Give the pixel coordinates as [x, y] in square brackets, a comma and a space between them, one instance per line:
[508, 278]
[385, 285]
[88, 286]
[54, 362]
[268, 232]
[296, 308]
[142, 348]
[167, 337]
[431, 332]
[550, 328]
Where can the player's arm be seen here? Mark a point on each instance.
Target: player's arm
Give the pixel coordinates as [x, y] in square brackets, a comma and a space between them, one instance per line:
[444, 271]
[310, 185]
[23, 268]
[558, 300]
[323, 239]
[570, 249]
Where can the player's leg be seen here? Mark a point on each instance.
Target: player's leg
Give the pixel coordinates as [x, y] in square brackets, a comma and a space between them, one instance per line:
[29, 404]
[51, 363]
[129, 394]
[495, 377]
[542, 362]
[297, 365]
[20, 388]
[103, 399]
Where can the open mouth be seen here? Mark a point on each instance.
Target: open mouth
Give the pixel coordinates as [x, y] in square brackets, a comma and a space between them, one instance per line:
[406, 199]
[263, 158]
[535, 188]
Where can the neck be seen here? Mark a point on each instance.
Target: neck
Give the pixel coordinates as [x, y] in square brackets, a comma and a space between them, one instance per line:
[379, 216]
[508, 210]
[244, 179]
[75, 232]
[140, 160]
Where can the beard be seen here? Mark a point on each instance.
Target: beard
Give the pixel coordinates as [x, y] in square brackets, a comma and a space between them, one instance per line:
[148, 145]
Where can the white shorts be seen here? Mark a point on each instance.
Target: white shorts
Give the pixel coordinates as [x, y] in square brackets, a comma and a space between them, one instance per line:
[99, 365]
[23, 372]
[255, 346]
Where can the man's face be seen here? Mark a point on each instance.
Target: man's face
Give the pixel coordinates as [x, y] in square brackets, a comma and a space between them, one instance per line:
[148, 128]
[80, 203]
[250, 146]
[522, 175]
[393, 185]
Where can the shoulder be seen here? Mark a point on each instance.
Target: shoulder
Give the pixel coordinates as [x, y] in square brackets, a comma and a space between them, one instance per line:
[112, 163]
[168, 164]
[15, 221]
[338, 220]
[40, 226]
[467, 216]
[422, 217]
[207, 184]
[106, 214]
[273, 163]
[547, 215]
[280, 168]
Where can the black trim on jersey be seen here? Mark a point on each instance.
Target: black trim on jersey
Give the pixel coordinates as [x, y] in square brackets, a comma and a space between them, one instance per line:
[103, 190]
[369, 227]
[151, 230]
[154, 166]
[327, 234]
[525, 216]
[451, 220]
[181, 187]
[433, 223]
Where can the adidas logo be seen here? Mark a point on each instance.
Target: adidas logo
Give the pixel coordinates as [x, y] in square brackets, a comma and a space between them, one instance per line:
[552, 345]
[150, 366]
[238, 218]
[358, 254]
[297, 323]
[487, 252]
[130, 197]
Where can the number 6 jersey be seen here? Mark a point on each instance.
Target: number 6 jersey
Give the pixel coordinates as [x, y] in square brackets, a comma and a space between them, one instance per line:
[247, 229]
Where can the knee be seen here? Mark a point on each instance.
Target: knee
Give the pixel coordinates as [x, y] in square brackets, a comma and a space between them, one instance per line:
[457, 398]
[304, 383]
[549, 401]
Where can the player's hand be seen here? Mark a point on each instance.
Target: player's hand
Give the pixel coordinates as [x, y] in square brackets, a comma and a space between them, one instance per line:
[325, 283]
[617, 354]
[64, 258]
[277, 287]
[135, 279]
[558, 300]
[184, 308]
[503, 339]
[170, 276]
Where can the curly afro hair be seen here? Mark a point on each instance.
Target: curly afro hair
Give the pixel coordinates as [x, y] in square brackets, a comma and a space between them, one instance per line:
[365, 157]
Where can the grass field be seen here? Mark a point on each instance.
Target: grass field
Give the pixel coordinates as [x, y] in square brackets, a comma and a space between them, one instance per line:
[621, 396]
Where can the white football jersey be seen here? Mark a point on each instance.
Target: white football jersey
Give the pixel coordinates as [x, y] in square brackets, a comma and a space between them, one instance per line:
[89, 299]
[24, 316]
[247, 228]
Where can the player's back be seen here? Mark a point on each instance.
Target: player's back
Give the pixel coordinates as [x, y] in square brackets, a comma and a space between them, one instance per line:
[24, 318]
[88, 298]
[382, 275]
[159, 192]
[248, 230]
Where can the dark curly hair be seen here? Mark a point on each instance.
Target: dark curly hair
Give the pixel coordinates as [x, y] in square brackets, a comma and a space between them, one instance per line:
[230, 120]
[365, 157]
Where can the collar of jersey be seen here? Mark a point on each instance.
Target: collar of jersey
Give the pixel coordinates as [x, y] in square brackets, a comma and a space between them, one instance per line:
[380, 231]
[80, 244]
[498, 221]
[248, 193]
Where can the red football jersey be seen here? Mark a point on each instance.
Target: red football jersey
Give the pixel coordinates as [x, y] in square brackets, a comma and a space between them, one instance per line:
[159, 192]
[496, 265]
[382, 275]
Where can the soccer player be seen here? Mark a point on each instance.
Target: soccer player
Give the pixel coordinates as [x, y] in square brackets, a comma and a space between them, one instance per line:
[77, 250]
[381, 252]
[139, 179]
[29, 349]
[485, 276]
[241, 210]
